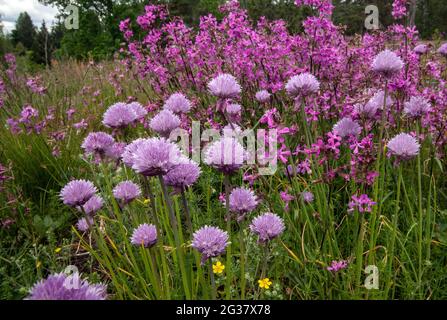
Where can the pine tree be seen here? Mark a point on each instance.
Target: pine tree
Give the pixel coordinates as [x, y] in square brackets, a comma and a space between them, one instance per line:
[42, 47]
[24, 31]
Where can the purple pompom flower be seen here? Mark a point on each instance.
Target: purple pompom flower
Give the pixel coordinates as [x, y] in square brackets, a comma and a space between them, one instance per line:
[183, 175]
[210, 242]
[77, 192]
[67, 287]
[178, 103]
[234, 111]
[155, 156]
[417, 107]
[263, 96]
[127, 155]
[387, 63]
[421, 49]
[226, 155]
[145, 235]
[126, 191]
[139, 110]
[403, 147]
[97, 143]
[242, 201]
[116, 150]
[267, 226]
[347, 127]
[224, 86]
[443, 50]
[369, 110]
[164, 123]
[83, 224]
[119, 115]
[307, 196]
[92, 206]
[302, 85]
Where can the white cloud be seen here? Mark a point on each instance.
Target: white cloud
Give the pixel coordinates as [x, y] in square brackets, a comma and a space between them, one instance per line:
[10, 10]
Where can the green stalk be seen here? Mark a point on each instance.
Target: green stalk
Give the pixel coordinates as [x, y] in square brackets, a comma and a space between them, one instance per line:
[227, 214]
[174, 227]
[187, 212]
[420, 216]
[393, 235]
[213, 281]
[380, 167]
[242, 253]
[151, 197]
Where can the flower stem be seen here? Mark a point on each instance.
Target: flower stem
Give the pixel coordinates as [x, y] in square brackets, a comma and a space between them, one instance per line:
[174, 226]
[420, 216]
[187, 212]
[227, 215]
[394, 234]
[213, 281]
[242, 253]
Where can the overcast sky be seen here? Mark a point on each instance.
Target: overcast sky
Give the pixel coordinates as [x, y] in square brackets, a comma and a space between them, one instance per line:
[10, 10]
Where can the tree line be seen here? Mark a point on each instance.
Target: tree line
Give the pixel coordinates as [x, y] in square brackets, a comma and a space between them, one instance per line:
[99, 37]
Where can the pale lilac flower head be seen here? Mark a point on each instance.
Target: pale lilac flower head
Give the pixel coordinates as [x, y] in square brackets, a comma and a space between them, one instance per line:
[210, 242]
[263, 96]
[234, 112]
[97, 143]
[164, 123]
[226, 155]
[336, 266]
[374, 104]
[443, 49]
[302, 85]
[267, 226]
[61, 287]
[77, 192]
[224, 86]
[347, 127]
[307, 196]
[139, 110]
[116, 150]
[417, 107]
[403, 146]
[242, 201]
[145, 235]
[126, 191]
[178, 103]
[421, 49]
[155, 156]
[234, 109]
[93, 205]
[378, 100]
[387, 63]
[183, 175]
[83, 225]
[119, 115]
[127, 155]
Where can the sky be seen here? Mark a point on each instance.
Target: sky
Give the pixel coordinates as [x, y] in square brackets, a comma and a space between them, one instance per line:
[10, 10]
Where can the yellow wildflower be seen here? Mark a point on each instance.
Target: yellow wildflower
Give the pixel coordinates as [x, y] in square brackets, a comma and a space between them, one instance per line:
[218, 267]
[264, 283]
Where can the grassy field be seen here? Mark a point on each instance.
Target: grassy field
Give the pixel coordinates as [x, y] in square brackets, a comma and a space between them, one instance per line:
[332, 242]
